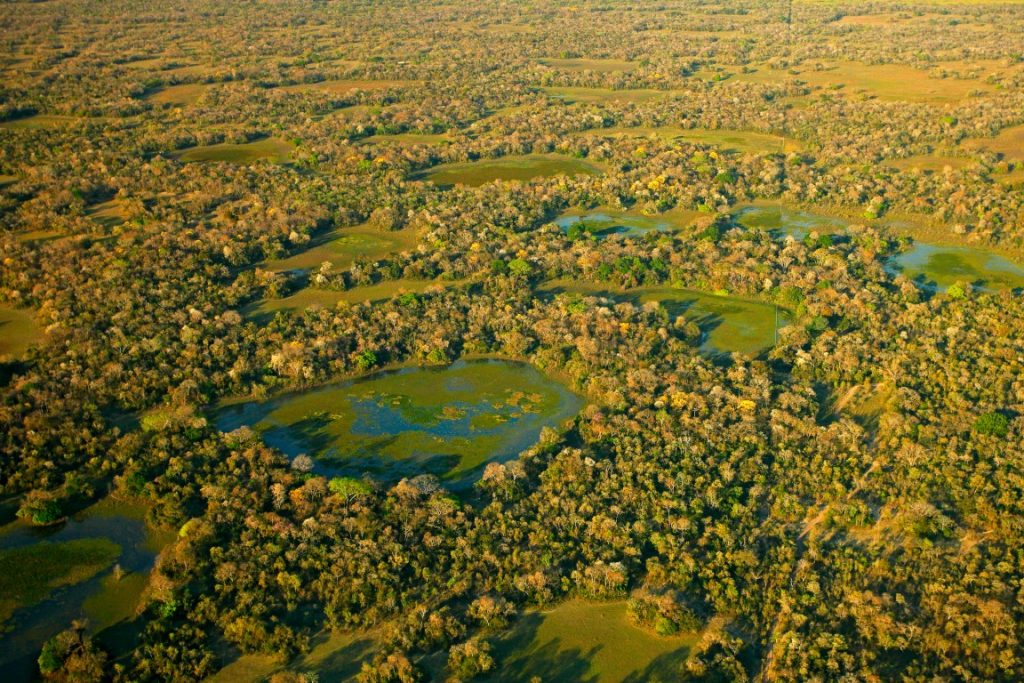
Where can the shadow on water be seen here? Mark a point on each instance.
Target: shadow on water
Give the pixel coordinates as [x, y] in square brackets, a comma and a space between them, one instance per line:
[31, 626]
[445, 421]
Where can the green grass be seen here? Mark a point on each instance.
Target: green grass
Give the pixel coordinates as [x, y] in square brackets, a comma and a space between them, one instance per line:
[178, 94]
[406, 139]
[597, 65]
[115, 601]
[603, 95]
[310, 296]
[584, 641]
[273, 149]
[510, 168]
[729, 324]
[342, 247]
[334, 657]
[344, 87]
[728, 140]
[39, 122]
[28, 574]
[18, 330]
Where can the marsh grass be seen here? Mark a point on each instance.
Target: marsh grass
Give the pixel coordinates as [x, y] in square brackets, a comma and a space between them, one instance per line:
[29, 573]
[510, 168]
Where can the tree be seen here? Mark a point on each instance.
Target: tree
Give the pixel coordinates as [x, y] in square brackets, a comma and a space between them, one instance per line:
[992, 424]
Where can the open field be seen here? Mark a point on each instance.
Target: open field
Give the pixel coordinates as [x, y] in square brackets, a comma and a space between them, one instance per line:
[585, 641]
[728, 140]
[891, 82]
[727, 324]
[602, 95]
[18, 330]
[509, 169]
[179, 95]
[275, 150]
[310, 296]
[342, 247]
[40, 121]
[1009, 143]
[596, 65]
[344, 87]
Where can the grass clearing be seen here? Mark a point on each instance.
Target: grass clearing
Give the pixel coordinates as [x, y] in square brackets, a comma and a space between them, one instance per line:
[40, 122]
[741, 141]
[18, 331]
[342, 247]
[344, 87]
[311, 297]
[893, 82]
[511, 168]
[28, 574]
[275, 150]
[585, 641]
[179, 95]
[596, 65]
[334, 657]
[1009, 142]
[406, 139]
[573, 95]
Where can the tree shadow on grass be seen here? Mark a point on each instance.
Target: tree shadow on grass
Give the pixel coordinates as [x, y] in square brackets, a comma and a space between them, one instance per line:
[519, 658]
[342, 664]
[666, 668]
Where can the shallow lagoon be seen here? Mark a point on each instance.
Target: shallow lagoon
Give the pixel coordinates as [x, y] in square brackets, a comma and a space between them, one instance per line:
[109, 604]
[937, 267]
[608, 223]
[511, 168]
[787, 222]
[445, 421]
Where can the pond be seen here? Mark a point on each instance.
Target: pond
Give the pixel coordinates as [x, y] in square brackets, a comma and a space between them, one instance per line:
[444, 421]
[511, 168]
[787, 222]
[55, 574]
[728, 324]
[937, 267]
[607, 223]
[932, 266]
